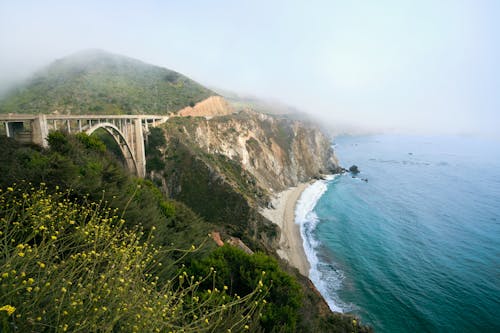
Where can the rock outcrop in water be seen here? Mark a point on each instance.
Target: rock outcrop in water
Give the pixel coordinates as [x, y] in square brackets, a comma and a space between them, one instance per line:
[354, 169]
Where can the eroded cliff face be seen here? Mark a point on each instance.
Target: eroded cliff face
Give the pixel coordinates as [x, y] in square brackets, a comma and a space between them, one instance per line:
[279, 152]
[226, 168]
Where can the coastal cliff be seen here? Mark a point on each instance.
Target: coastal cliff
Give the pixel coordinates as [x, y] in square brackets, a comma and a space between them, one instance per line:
[226, 168]
[277, 151]
[217, 169]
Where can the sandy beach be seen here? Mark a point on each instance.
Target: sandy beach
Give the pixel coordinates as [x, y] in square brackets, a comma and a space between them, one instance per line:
[291, 247]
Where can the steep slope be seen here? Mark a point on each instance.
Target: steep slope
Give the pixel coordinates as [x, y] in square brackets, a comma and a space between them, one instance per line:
[210, 107]
[277, 151]
[98, 82]
[226, 167]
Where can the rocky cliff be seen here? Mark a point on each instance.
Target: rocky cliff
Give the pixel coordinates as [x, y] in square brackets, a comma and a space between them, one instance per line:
[226, 167]
[277, 151]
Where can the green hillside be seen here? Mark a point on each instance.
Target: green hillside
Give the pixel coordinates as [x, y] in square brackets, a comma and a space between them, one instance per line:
[96, 82]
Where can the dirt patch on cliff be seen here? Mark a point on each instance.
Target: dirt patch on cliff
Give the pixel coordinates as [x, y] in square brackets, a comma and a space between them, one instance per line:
[210, 107]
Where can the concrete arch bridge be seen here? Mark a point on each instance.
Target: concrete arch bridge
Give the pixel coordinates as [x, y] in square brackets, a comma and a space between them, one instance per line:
[129, 131]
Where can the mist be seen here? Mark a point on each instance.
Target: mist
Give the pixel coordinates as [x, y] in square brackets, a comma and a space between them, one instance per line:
[359, 66]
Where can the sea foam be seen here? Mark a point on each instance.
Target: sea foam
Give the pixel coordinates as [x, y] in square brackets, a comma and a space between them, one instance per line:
[308, 220]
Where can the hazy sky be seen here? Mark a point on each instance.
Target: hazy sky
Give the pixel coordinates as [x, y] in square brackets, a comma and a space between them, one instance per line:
[409, 65]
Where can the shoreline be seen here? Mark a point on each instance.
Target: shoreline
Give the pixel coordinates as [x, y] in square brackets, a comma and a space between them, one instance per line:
[291, 247]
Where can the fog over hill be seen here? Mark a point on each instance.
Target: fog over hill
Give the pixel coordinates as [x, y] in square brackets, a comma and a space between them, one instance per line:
[418, 67]
[95, 81]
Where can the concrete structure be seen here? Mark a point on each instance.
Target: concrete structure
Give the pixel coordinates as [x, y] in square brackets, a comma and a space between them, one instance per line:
[129, 131]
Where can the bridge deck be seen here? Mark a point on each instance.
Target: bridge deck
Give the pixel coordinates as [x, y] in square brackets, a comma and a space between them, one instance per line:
[14, 117]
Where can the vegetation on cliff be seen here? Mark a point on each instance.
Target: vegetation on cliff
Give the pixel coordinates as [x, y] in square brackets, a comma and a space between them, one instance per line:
[115, 208]
[96, 82]
[227, 167]
[237, 271]
[223, 192]
[277, 152]
[214, 186]
[205, 176]
[68, 266]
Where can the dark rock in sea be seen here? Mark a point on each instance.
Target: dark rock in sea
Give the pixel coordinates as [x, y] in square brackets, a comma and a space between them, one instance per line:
[337, 170]
[354, 169]
[365, 180]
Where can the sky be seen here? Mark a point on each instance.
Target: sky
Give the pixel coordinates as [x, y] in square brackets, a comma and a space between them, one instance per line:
[421, 66]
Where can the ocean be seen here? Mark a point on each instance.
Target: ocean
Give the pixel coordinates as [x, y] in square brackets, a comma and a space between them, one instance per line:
[412, 243]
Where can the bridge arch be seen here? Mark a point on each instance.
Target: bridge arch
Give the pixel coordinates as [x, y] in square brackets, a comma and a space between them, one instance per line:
[129, 131]
[121, 140]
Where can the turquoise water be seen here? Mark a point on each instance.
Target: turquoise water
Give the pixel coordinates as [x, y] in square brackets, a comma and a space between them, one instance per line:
[417, 247]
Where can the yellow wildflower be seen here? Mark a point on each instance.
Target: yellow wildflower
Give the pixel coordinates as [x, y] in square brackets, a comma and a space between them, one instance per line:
[8, 308]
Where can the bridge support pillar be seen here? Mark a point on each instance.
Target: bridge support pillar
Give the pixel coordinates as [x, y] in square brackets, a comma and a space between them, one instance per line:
[139, 150]
[40, 130]
[7, 129]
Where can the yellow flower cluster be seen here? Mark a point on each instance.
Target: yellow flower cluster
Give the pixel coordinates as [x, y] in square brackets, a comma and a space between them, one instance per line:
[77, 268]
[8, 308]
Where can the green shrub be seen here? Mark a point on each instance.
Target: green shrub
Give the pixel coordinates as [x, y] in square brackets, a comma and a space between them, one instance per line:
[168, 208]
[154, 158]
[75, 267]
[58, 142]
[91, 142]
[241, 273]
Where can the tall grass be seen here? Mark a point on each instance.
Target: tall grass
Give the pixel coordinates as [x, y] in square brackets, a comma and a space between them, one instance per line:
[74, 267]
